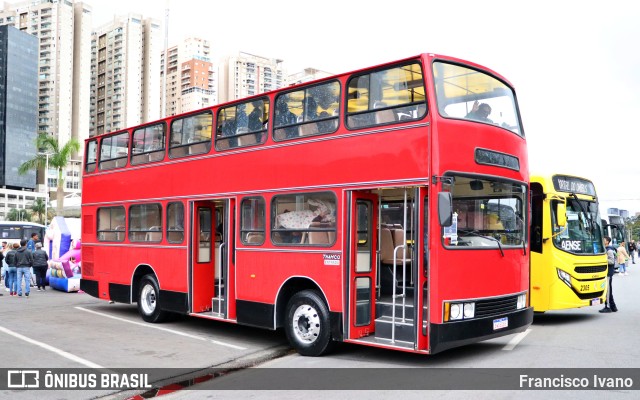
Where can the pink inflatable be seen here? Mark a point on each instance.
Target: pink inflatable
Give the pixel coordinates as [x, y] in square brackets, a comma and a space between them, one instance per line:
[68, 264]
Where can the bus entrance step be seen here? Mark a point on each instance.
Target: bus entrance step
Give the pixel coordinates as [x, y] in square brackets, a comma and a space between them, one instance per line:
[403, 329]
[218, 306]
[385, 309]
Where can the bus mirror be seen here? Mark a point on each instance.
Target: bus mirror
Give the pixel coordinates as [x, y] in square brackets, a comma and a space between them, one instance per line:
[445, 209]
[562, 214]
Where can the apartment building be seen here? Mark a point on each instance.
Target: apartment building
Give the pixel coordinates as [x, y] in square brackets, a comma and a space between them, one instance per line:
[247, 74]
[191, 78]
[125, 55]
[307, 75]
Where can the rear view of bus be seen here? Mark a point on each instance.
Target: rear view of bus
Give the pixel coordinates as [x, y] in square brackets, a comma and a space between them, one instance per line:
[568, 260]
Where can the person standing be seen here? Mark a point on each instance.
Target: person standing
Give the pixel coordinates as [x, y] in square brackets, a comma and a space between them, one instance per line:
[623, 257]
[10, 259]
[31, 246]
[609, 303]
[632, 251]
[24, 262]
[40, 265]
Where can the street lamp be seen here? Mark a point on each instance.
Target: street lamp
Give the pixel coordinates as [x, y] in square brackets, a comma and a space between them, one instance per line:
[46, 186]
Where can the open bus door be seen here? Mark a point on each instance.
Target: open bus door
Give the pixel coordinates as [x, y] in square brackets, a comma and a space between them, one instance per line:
[212, 235]
[362, 263]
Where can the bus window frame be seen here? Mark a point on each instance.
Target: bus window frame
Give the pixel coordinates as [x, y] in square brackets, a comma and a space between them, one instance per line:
[95, 156]
[148, 153]
[330, 227]
[172, 149]
[169, 231]
[135, 235]
[299, 124]
[440, 108]
[372, 111]
[115, 160]
[253, 230]
[263, 132]
[115, 231]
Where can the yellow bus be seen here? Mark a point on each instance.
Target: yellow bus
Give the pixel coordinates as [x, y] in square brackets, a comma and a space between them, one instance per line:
[568, 259]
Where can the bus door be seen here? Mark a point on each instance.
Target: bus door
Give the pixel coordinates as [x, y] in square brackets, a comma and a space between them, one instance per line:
[362, 252]
[211, 233]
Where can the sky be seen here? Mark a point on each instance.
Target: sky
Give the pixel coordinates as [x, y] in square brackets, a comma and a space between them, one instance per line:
[575, 64]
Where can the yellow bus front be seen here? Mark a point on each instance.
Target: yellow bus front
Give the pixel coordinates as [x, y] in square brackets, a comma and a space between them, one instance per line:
[568, 260]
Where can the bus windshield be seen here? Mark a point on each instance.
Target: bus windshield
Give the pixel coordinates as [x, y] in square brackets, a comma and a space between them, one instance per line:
[583, 232]
[487, 213]
[465, 93]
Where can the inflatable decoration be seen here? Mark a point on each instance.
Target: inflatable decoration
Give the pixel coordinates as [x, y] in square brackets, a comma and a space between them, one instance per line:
[62, 240]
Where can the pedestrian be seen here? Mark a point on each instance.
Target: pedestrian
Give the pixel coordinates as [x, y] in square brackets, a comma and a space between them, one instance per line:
[40, 265]
[632, 251]
[11, 260]
[609, 303]
[623, 257]
[5, 272]
[31, 246]
[24, 262]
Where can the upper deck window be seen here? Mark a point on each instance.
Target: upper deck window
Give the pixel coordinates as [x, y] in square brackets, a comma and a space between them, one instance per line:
[313, 110]
[191, 135]
[114, 150]
[242, 124]
[91, 156]
[148, 144]
[466, 93]
[386, 97]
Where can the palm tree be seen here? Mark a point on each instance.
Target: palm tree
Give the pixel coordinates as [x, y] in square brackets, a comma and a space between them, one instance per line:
[58, 158]
[39, 208]
[18, 214]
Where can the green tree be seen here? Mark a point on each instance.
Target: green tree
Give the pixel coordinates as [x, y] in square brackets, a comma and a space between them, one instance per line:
[39, 208]
[18, 214]
[59, 158]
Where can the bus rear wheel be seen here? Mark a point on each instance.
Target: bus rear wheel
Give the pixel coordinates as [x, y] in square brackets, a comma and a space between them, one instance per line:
[307, 326]
[148, 297]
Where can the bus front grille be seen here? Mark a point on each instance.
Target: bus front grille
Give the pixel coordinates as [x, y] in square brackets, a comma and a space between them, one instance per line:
[496, 306]
[590, 269]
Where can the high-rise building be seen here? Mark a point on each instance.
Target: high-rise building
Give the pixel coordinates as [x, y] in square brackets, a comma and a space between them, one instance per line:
[246, 74]
[191, 81]
[18, 117]
[125, 55]
[307, 75]
[63, 31]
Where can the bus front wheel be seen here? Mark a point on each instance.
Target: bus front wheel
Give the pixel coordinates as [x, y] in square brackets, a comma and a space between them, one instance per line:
[148, 297]
[307, 324]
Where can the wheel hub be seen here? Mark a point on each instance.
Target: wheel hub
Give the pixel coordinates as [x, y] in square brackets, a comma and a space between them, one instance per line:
[306, 323]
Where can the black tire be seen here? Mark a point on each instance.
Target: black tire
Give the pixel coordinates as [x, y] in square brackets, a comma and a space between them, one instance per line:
[307, 325]
[148, 296]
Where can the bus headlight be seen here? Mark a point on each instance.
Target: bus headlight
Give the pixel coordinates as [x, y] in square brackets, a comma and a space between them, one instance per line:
[456, 311]
[564, 277]
[469, 310]
[522, 301]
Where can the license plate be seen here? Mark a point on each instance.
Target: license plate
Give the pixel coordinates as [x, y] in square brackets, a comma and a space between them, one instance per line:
[500, 323]
[595, 302]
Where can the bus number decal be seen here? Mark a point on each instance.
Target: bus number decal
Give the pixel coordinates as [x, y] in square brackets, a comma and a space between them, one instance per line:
[331, 259]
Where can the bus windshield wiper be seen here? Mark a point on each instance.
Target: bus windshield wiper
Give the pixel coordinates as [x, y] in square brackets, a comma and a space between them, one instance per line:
[584, 211]
[476, 233]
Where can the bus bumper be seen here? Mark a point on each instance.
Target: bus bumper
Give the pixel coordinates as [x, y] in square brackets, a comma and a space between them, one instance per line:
[455, 334]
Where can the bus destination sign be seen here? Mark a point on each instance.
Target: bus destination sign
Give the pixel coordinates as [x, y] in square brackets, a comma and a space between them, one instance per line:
[571, 184]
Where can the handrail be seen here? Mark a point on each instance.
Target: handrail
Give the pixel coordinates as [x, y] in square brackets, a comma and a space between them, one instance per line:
[219, 294]
[403, 294]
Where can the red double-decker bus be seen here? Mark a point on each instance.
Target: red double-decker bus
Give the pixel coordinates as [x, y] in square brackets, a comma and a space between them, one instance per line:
[385, 206]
